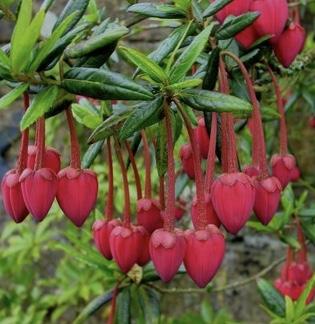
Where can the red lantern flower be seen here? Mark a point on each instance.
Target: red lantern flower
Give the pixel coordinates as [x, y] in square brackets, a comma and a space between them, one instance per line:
[167, 250]
[51, 158]
[268, 193]
[204, 254]
[13, 200]
[283, 167]
[186, 157]
[272, 19]
[202, 138]
[101, 233]
[290, 44]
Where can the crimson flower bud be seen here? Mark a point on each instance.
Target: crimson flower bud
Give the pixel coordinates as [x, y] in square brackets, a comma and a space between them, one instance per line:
[204, 254]
[235, 8]
[51, 158]
[211, 215]
[247, 37]
[186, 156]
[294, 277]
[283, 167]
[101, 234]
[39, 188]
[311, 122]
[295, 174]
[300, 272]
[290, 44]
[233, 197]
[268, 193]
[13, 200]
[272, 19]
[125, 245]
[77, 193]
[149, 214]
[202, 138]
[167, 250]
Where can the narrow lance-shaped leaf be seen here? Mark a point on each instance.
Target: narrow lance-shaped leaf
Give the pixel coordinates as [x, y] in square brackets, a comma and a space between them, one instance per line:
[96, 42]
[144, 63]
[78, 6]
[190, 55]
[123, 307]
[23, 20]
[50, 43]
[215, 6]
[169, 44]
[94, 306]
[214, 101]
[42, 102]
[212, 70]
[157, 10]
[109, 127]
[55, 53]
[104, 85]
[233, 25]
[91, 154]
[187, 84]
[4, 58]
[21, 53]
[10, 97]
[143, 116]
[273, 300]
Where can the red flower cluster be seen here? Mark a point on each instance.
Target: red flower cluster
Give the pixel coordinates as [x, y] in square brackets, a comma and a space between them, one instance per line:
[286, 37]
[296, 272]
[33, 186]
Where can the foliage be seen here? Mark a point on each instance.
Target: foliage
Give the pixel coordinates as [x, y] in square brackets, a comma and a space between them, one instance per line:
[51, 272]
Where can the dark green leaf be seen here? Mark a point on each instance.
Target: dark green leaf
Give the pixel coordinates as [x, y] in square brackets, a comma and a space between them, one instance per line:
[50, 43]
[149, 301]
[233, 25]
[10, 97]
[103, 84]
[214, 101]
[95, 43]
[187, 84]
[185, 61]
[78, 6]
[41, 103]
[143, 116]
[108, 127]
[157, 10]
[215, 6]
[169, 44]
[273, 300]
[211, 76]
[53, 57]
[144, 63]
[123, 307]
[94, 306]
[91, 154]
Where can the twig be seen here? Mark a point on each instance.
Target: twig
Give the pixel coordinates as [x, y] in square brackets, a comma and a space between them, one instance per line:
[233, 285]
